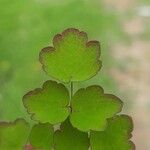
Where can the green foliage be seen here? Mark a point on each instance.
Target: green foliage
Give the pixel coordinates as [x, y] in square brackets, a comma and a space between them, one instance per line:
[116, 135]
[69, 138]
[13, 136]
[28, 25]
[49, 104]
[92, 115]
[91, 107]
[41, 136]
[72, 58]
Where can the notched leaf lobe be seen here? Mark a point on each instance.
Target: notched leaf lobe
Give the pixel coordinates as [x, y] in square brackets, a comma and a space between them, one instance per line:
[72, 58]
[116, 135]
[91, 108]
[49, 103]
[13, 135]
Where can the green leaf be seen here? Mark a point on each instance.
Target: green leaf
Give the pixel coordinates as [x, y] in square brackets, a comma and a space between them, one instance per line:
[72, 58]
[91, 107]
[13, 136]
[49, 103]
[69, 138]
[116, 136]
[41, 136]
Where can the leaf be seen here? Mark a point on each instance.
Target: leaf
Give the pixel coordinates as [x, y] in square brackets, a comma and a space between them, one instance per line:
[13, 136]
[41, 136]
[69, 138]
[91, 107]
[49, 103]
[72, 58]
[116, 136]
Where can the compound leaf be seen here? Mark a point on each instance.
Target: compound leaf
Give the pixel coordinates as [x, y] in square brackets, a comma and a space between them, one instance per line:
[41, 136]
[91, 107]
[49, 103]
[72, 58]
[115, 137]
[13, 136]
[69, 138]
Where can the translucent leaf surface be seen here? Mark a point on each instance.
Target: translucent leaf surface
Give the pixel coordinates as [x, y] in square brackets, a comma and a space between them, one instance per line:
[69, 138]
[72, 58]
[41, 136]
[91, 107]
[115, 137]
[49, 103]
[13, 136]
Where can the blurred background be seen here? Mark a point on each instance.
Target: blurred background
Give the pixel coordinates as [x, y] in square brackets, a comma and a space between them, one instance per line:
[122, 27]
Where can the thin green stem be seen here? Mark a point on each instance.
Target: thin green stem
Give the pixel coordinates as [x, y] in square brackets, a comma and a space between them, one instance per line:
[71, 90]
[71, 94]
